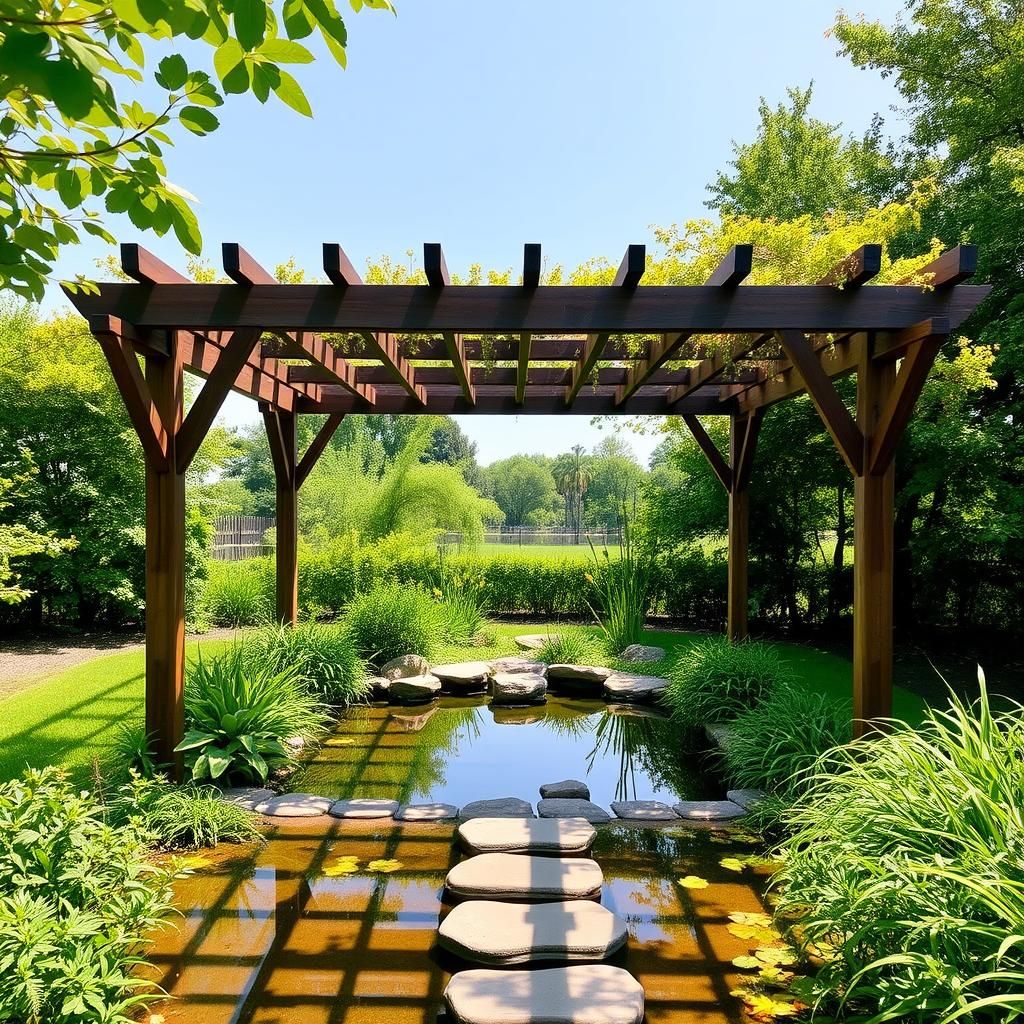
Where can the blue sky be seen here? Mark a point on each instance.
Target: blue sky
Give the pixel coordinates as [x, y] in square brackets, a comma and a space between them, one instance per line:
[484, 125]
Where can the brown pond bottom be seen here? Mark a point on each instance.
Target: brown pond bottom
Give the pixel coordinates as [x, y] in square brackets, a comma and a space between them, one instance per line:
[282, 934]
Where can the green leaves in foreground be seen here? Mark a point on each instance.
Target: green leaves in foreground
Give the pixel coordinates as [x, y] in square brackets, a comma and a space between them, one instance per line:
[74, 140]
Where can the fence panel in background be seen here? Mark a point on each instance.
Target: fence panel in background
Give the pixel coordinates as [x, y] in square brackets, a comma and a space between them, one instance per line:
[532, 536]
[238, 537]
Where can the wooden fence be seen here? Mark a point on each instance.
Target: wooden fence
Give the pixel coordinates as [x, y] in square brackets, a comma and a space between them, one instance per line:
[530, 536]
[238, 537]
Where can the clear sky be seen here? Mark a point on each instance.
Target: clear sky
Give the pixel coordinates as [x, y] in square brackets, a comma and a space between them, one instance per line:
[483, 125]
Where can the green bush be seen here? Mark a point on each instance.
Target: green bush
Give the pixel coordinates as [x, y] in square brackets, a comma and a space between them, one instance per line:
[323, 657]
[392, 620]
[571, 645]
[78, 904]
[775, 745]
[905, 870]
[716, 680]
[239, 717]
[237, 593]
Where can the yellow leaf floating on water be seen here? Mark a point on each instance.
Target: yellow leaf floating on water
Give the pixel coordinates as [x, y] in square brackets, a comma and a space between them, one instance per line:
[193, 862]
[747, 963]
[693, 882]
[741, 917]
[343, 865]
[768, 1006]
[731, 864]
[340, 741]
[775, 976]
[754, 932]
[775, 957]
[385, 866]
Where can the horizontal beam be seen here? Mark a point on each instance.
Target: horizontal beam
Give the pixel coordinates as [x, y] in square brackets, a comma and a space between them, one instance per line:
[894, 346]
[858, 268]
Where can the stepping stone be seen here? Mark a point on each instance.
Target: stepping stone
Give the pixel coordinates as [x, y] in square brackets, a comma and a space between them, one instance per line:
[468, 676]
[625, 686]
[500, 807]
[363, 807]
[566, 789]
[519, 688]
[573, 809]
[640, 652]
[405, 666]
[596, 674]
[413, 723]
[590, 993]
[708, 810]
[512, 876]
[748, 799]
[533, 641]
[490, 932]
[249, 797]
[295, 805]
[643, 810]
[513, 663]
[379, 687]
[415, 689]
[558, 836]
[718, 734]
[427, 812]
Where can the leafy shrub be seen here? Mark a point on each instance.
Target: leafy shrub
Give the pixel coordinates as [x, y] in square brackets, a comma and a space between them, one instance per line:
[239, 717]
[905, 868]
[132, 751]
[571, 645]
[237, 593]
[78, 901]
[775, 745]
[716, 680]
[392, 620]
[623, 586]
[323, 657]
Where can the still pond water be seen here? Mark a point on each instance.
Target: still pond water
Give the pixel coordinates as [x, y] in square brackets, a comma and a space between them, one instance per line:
[275, 934]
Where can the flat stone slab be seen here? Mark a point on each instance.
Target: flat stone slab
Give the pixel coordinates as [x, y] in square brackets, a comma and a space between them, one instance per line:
[642, 652]
[405, 666]
[553, 808]
[625, 686]
[533, 641]
[363, 807]
[643, 810]
[718, 734]
[249, 797]
[464, 675]
[513, 876]
[566, 789]
[500, 807]
[596, 674]
[426, 812]
[518, 688]
[490, 932]
[708, 810]
[746, 798]
[414, 689]
[514, 663]
[295, 805]
[557, 836]
[379, 687]
[581, 994]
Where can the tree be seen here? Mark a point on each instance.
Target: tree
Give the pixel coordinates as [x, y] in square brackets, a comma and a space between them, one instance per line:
[798, 165]
[520, 485]
[69, 140]
[572, 478]
[615, 482]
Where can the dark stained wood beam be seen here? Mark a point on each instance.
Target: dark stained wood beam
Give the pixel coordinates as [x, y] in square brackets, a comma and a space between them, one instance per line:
[627, 277]
[437, 277]
[532, 264]
[743, 461]
[837, 419]
[856, 269]
[952, 267]
[385, 348]
[715, 458]
[317, 447]
[894, 346]
[734, 268]
[338, 267]
[531, 279]
[434, 265]
[710, 368]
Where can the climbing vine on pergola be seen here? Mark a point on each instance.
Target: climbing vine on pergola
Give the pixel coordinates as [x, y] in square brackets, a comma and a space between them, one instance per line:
[346, 347]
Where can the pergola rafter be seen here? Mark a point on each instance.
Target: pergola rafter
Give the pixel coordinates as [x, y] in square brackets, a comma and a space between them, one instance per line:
[345, 347]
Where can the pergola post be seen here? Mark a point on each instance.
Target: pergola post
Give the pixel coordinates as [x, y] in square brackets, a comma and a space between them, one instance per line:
[739, 524]
[281, 434]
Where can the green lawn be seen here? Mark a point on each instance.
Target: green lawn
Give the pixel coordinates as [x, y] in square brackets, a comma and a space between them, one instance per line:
[553, 551]
[71, 718]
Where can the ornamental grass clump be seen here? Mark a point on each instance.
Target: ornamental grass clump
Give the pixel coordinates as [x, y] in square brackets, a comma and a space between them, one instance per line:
[570, 645]
[389, 621]
[905, 871]
[623, 588]
[716, 680]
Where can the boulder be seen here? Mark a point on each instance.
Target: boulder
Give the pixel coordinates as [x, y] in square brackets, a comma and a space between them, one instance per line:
[641, 652]
[405, 666]
[708, 810]
[414, 690]
[500, 807]
[489, 932]
[595, 674]
[643, 810]
[379, 687]
[718, 734]
[566, 789]
[295, 805]
[748, 799]
[518, 688]
[561, 836]
[427, 812]
[512, 876]
[364, 807]
[554, 808]
[533, 641]
[465, 676]
[625, 686]
[514, 663]
[594, 993]
[249, 797]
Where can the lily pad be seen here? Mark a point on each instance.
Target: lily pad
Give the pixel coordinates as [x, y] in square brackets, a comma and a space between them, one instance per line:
[342, 865]
[747, 963]
[693, 882]
[741, 917]
[731, 864]
[754, 933]
[775, 957]
[384, 866]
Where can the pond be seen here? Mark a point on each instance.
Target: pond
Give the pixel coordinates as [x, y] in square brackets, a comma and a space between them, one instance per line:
[280, 934]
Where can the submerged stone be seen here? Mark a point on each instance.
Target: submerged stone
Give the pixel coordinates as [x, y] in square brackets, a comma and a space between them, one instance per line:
[427, 812]
[625, 686]
[295, 805]
[499, 807]
[590, 993]
[566, 836]
[490, 932]
[405, 666]
[643, 810]
[708, 810]
[641, 652]
[567, 788]
[363, 807]
[513, 876]
[586, 809]
[518, 688]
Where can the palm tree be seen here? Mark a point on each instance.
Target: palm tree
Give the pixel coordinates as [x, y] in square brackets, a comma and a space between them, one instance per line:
[572, 478]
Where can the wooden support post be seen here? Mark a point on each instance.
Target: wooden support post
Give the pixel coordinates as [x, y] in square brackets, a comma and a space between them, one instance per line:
[282, 437]
[873, 554]
[739, 516]
[165, 569]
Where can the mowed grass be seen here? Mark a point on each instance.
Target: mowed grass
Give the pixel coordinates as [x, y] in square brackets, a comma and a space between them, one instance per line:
[71, 719]
[552, 551]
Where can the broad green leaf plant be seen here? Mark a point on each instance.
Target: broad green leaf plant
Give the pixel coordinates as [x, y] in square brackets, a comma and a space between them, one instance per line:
[77, 133]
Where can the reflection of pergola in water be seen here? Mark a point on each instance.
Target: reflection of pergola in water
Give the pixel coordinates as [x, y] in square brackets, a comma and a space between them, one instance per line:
[782, 340]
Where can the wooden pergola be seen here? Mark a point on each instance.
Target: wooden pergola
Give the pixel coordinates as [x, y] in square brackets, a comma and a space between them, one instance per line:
[346, 347]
